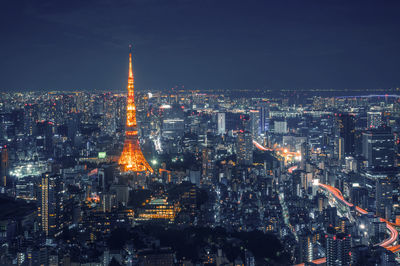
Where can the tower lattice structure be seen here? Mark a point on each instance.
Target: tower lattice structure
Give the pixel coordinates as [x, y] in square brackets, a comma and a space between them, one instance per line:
[132, 158]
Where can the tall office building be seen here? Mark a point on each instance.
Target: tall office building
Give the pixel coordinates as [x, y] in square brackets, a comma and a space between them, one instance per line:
[73, 124]
[245, 123]
[173, 123]
[264, 119]
[384, 198]
[31, 115]
[18, 121]
[244, 148]
[374, 119]
[44, 132]
[221, 123]
[304, 153]
[255, 122]
[208, 164]
[378, 148]
[346, 126]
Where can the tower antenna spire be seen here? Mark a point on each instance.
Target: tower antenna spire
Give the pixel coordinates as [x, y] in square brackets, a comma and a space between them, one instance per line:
[130, 81]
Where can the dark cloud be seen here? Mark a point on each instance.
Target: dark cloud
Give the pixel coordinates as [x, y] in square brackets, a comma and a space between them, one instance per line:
[201, 44]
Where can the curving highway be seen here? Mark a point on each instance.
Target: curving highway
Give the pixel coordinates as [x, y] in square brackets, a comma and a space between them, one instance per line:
[393, 232]
[387, 243]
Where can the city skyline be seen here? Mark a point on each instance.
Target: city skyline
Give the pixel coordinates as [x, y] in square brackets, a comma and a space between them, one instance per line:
[271, 167]
[263, 44]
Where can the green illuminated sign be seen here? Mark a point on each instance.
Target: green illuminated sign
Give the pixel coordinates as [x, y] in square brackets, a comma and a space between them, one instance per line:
[102, 155]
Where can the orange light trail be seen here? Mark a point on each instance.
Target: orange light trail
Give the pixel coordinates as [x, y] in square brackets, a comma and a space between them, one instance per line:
[338, 194]
[393, 232]
[260, 147]
[291, 169]
[281, 151]
[317, 261]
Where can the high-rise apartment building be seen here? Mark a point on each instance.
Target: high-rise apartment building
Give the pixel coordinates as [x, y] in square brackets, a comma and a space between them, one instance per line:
[51, 205]
[48, 204]
[338, 249]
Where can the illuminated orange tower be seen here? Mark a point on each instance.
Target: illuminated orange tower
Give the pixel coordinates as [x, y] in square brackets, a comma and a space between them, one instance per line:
[132, 158]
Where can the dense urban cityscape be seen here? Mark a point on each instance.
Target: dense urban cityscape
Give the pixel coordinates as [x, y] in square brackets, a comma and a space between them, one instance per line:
[188, 177]
[199, 132]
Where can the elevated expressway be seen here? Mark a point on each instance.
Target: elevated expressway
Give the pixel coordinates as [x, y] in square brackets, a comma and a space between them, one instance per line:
[393, 234]
[388, 243]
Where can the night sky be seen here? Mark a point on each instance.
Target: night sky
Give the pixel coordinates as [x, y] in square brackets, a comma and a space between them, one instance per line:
[199, 44]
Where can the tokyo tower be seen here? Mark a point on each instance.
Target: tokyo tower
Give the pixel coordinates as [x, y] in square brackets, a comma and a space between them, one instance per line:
[132, 158]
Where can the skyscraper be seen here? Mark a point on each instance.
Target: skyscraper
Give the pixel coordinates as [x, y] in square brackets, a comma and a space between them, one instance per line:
[132, 158]
[264, 119]
[383, 198]
[208, 160]
[378, 149]
[244, 151]
[221, 123]
[48, 204]
[44, 207]
[304, 153]
[44, 131]
[347, 131]
[255, 122]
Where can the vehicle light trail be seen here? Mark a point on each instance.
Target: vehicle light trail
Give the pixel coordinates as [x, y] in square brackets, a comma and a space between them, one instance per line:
[317, 261]
[291, 169]
[338, 194]
[260, 147]
[393, 232]
[289, 156]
